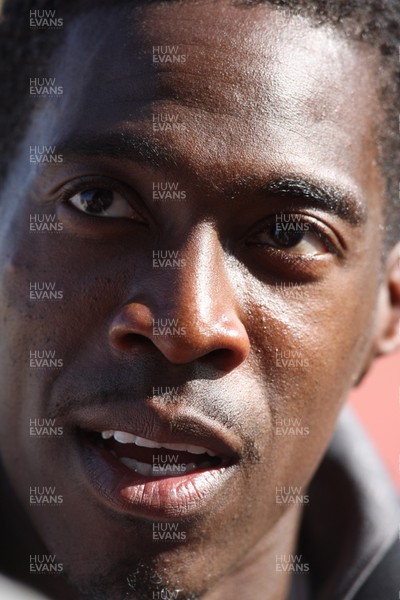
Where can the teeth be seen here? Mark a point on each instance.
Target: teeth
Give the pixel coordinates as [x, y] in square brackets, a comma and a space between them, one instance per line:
[138, 467]
[124, 437]
[159, 471]
[188, 448]
[144, 443]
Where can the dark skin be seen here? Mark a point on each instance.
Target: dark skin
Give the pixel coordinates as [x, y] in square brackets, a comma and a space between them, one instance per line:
[263, 98]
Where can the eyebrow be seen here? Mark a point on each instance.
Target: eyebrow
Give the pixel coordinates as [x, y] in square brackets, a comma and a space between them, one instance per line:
[118, 145]
[133, 146]
[333, 199]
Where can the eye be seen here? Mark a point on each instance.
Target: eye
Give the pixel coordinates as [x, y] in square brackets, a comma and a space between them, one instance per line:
[293, 236]
[99, 202]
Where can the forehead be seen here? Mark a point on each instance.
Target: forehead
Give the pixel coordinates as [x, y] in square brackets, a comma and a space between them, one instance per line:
[244, 84]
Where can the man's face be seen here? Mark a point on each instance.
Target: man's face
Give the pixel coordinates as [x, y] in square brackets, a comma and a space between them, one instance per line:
[264, 129]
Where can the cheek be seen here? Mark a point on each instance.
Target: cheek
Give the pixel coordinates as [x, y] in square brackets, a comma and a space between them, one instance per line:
[308, 350]
[45, 307]
[55, 290]
[311, 343]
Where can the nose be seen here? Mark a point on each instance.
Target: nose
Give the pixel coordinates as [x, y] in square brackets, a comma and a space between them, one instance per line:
[189, 313]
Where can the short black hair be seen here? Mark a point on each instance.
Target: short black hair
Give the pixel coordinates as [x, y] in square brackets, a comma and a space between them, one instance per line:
[24, 52]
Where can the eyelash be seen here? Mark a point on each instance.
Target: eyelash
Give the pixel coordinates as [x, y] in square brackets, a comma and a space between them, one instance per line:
[83, 184]
[316, 226]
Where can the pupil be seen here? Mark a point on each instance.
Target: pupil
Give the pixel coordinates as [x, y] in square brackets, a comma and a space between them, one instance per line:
[286, 238]
[96, 201]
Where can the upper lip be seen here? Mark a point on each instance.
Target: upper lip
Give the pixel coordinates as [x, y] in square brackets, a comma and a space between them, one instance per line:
[184, 427]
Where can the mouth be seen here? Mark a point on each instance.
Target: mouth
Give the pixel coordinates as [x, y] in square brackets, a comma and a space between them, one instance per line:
[150, 458]
[168, 475]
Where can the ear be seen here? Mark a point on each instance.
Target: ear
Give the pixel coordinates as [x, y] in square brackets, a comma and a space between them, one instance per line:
[388, 331]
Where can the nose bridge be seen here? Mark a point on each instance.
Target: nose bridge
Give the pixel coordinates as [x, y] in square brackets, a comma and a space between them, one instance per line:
[188, 310]
[203, 293]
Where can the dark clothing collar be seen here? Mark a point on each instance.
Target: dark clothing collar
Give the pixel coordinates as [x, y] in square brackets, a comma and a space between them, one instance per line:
[349, 533]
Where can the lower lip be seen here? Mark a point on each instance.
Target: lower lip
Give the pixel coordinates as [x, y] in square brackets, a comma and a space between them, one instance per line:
[164, 498]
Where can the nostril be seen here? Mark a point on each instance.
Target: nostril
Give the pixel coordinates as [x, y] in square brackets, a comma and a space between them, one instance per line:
[133, 341]
[219, 354]
[223, 359]
[219, 341]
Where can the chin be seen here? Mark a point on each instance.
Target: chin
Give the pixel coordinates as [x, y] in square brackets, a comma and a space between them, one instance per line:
[140, 582]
